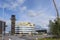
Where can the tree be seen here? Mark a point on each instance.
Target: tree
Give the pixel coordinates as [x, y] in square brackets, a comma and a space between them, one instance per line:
[55, 27]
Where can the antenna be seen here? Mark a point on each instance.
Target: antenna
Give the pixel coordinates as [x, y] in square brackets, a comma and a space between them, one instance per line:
[57, 13]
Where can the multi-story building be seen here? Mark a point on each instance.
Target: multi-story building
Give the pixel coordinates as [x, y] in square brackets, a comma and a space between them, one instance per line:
[2, 26]
[25, 28]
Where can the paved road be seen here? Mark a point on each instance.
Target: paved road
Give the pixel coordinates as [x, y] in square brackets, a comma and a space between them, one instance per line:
[27, 37]
[15, 38]
[5, 38]
[18, 37]
[34, 37]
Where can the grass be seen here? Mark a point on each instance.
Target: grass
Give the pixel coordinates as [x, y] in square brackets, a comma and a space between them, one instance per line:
[49, 39]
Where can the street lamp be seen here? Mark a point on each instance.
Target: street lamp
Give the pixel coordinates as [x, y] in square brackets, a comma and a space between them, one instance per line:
[3, 26]
[56, 10]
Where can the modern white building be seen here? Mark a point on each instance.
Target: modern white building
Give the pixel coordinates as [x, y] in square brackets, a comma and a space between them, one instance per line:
[25, 28]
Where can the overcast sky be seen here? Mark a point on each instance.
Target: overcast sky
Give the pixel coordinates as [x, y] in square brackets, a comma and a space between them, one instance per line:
[38, 12]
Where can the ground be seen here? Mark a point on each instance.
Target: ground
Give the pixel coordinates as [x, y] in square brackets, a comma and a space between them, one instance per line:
[27, 37]
[49, 39]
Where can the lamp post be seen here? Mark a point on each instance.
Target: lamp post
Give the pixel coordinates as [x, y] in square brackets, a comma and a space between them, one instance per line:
[3, 27]
[57, 13]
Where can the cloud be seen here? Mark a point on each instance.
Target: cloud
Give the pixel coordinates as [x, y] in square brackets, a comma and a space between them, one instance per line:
[32, 13]
[23, 9]
[11, 4]
[40, 12]
[40, 17]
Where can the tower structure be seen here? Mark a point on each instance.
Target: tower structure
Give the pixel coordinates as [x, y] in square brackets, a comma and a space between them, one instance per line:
[13, 24]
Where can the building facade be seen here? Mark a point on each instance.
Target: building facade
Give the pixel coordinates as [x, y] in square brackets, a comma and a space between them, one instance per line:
[2, 27]
[24, 28]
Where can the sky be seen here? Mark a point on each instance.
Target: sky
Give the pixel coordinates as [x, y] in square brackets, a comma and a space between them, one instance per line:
[38, 12]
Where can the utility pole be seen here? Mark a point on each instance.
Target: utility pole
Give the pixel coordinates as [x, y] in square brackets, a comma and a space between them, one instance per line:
[57, 13]
[3, 26]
